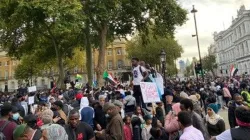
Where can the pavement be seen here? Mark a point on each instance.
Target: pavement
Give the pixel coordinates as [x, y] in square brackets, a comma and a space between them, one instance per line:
[223, 113]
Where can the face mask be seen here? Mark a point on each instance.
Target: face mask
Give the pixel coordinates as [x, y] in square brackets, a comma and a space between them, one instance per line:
[107, 115]
[15, 116]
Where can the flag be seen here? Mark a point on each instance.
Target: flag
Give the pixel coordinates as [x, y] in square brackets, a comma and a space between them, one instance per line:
[109, 77]
[78, 76]
[233, 71]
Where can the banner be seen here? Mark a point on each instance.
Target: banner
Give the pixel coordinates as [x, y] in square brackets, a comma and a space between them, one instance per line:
[149, 92]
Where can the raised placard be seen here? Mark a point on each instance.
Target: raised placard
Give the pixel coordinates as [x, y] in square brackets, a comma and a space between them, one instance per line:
[149, 92]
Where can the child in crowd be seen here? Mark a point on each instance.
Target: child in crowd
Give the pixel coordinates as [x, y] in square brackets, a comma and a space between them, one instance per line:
[127, 128]
[146, 128]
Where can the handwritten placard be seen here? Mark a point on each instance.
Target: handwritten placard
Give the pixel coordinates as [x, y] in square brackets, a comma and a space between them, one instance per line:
[31, 100]
[32, 89]
[149, 92]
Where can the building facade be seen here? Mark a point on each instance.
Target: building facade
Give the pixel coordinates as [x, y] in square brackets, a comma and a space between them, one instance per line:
[232, 46]
[116, 61]
[7, 71]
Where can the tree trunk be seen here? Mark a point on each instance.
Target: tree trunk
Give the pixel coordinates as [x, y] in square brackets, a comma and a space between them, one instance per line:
[89, 55]
[60, 81]
[213, 73]
[101, 57]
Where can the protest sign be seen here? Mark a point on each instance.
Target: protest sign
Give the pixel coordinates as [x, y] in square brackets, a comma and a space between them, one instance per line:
[149, 92]
[32, 89]
[78, 85]
[31, 100]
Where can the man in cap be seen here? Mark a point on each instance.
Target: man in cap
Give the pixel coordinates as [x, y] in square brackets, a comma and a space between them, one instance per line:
[6, 126]
[114, 129]
[119, 107]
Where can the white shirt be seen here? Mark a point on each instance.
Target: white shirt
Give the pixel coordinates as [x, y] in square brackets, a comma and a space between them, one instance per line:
[226, 135]
[191, 133]
[137, 75]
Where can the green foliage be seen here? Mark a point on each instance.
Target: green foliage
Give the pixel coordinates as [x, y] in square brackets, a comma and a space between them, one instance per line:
[49, 28]
[150, 52]
[28, 68]
[209, 63]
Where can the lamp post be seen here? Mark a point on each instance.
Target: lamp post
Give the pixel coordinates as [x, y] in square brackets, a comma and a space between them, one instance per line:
[163, 62]
[197, 38]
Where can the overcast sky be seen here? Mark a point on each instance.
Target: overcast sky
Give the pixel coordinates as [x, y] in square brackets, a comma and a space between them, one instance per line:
[213, 15]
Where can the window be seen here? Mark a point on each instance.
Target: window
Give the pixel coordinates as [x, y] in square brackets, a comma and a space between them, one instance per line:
[7, 63]
[119, 51]
[109, 52]
[0, 63]
[119, 64]
[110, 64]
[14, 63]
[6, 74]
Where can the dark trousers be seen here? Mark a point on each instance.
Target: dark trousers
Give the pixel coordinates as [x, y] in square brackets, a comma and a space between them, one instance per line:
[138, 96]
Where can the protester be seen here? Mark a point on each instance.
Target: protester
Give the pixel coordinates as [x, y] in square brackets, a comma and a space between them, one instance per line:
[139, 75]
[129, 102]
[171, 122]
[232, 105]
[245, 94]
[215, 123]
[58, 106]
[145, 134]
[159, 112]
[242, 132]
[187, 105]
[77, 130]
[119, 107]
[157, 124]
[114, 128]
[189, 131]
[156, 133]
[52, 131]
[7, 127]
[127, 128]
[87, 113]
[136, 126]
[226, 94]
[25, 132]
[99, 119]
[138, 113]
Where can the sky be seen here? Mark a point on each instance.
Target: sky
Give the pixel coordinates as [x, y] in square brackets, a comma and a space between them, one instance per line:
[212, 16]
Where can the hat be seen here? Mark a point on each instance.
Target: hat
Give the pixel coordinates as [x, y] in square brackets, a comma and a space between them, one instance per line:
[214, 107]
[18, 132]
[147, 117]
[14, 109]
[118, 103]
[78, 96]
[58, 103]
[108, 106]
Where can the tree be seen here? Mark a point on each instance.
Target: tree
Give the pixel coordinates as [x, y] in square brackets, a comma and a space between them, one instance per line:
[150, 52]
[28, 69]
[118, 18]
[209, 64]
[52, 27]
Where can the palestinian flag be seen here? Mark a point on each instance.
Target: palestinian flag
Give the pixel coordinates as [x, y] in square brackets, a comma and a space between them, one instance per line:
[78, 77]
[233, 71]
[109, 77]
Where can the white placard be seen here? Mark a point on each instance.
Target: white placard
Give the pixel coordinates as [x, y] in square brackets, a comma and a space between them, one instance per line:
[149, 92]
[31, 100]
[32, 89]
[78, 85]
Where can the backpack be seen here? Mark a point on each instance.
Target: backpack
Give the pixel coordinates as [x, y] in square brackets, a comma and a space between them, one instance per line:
[2, 136]
[147, 79]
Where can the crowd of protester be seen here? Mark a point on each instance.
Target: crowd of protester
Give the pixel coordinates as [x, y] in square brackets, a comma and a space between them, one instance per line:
[189, 110]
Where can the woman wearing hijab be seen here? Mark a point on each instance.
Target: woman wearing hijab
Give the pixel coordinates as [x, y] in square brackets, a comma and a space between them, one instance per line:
[87, 113]
[215, 123]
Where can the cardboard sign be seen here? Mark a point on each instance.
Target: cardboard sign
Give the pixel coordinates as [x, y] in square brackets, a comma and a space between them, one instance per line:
[32, 89]
[31, 100]
[149, 92]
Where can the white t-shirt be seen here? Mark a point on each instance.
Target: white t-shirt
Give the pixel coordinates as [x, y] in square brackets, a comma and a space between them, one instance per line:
[137, 75]
[226, 135]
